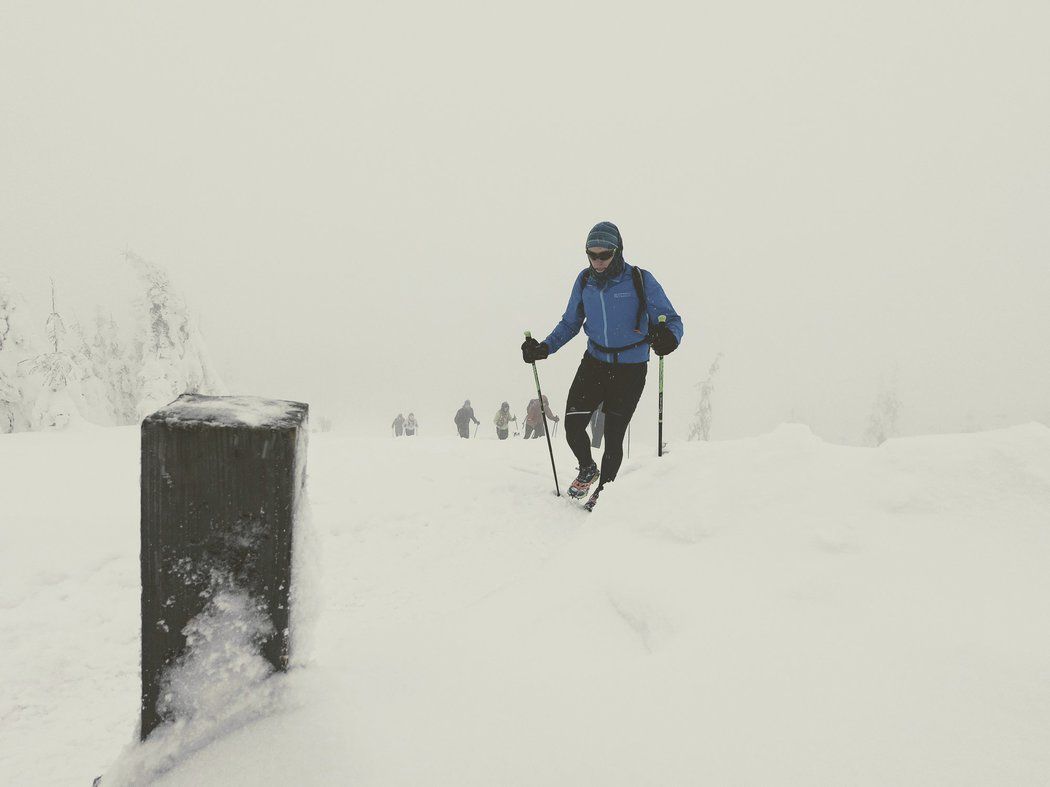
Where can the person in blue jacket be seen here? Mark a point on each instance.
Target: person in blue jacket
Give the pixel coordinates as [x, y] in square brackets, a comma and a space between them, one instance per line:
[618, 306]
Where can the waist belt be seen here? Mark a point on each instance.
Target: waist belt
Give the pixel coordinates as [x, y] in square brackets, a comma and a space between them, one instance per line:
[615, 351]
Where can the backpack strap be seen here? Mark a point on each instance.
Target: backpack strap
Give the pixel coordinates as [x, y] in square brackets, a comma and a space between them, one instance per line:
[583, 286]
[639, 288]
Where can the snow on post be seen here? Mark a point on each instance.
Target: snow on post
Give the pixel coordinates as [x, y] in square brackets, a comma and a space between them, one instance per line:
[222, 483]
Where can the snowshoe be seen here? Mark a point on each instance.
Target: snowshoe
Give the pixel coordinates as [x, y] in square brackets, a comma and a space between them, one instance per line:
[587, 476]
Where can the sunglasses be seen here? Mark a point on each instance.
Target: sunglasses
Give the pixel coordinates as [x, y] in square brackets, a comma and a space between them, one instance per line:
[601, 256]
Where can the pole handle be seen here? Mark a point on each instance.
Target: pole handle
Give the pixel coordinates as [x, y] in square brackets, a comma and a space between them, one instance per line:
[663, 318]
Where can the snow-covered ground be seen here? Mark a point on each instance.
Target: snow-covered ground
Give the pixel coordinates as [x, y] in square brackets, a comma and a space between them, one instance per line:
[774, 610]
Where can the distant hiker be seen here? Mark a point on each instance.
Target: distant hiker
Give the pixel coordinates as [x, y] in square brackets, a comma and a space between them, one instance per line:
[464, 415]
[597, 426]
[534, 418]
[399, 425]
[502, 421]
[411, 425]
[618, 306]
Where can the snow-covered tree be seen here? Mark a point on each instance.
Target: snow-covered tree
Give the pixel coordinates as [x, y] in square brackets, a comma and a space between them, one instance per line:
[11, 417]
[111, 364]
[54, 373]
[55, 379]
[94, 402]
[10, 391]
[173, 359]
[16, 348]
[885, 412]
[7, 310]
[701, 427]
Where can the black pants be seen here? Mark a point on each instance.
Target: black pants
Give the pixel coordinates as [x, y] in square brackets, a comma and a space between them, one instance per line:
[597, 428]
[501, 433]
[464, 429]
[533, 431]
[619, 386]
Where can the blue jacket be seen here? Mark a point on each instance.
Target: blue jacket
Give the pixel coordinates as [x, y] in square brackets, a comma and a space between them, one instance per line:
[608, 315]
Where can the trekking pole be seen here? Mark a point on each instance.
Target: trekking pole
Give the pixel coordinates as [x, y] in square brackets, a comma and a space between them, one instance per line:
[476, 429]
[660, 422]
[628, 441]
[555, 429]
[543, 412]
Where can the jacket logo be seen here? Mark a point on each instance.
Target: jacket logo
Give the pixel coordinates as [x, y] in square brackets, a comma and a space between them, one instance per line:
[621, 295]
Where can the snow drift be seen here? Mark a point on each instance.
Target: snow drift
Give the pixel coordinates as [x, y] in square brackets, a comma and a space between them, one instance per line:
[773, 610]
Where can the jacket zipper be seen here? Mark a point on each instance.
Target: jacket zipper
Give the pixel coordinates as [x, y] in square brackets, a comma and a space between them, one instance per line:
[605, 322]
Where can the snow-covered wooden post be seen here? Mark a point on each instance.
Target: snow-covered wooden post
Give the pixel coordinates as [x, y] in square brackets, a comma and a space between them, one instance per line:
[222, 482]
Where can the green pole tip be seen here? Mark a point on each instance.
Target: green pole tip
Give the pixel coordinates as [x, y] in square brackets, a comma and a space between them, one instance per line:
[663, 318]
[528, 334]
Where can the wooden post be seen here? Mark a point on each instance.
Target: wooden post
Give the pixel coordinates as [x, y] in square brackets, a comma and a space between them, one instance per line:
[222, 479]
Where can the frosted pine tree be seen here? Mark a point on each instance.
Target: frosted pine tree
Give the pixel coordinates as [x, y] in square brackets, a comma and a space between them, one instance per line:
[7, 308]
[111, 364]
[11, 417]
[17, 348]
[54, 379]
[885, 413]
[94, 401]
[173, 359]
[701, 427]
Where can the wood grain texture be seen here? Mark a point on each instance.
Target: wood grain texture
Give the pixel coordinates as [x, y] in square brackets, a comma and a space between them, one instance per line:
[221, 484]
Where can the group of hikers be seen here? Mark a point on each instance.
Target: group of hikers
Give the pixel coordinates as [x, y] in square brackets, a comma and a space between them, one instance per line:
[503, 419]
[405, 426]
[624, 313]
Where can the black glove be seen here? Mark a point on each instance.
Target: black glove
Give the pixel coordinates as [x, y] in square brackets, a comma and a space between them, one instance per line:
[532, 350]
[662, 340]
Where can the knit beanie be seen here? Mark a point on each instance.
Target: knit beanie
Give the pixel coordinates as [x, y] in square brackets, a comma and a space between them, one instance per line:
[604, 235]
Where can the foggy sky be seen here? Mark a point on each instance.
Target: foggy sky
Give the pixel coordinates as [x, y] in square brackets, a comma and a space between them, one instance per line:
[368, 203]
